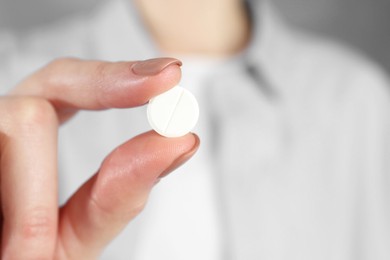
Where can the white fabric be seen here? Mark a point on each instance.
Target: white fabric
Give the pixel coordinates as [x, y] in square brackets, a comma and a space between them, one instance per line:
[300, 151]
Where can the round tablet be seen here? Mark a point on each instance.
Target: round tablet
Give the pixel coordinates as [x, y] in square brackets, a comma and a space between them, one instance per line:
[173, 113]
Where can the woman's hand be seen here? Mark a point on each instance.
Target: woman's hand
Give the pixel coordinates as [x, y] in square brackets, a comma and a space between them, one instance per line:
[33, 225]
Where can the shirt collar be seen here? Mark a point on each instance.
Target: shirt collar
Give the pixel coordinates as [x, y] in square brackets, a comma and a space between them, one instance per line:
[270, 33]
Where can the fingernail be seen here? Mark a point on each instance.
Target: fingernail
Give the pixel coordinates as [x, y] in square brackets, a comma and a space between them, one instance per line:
[182, 159]
[153, 66]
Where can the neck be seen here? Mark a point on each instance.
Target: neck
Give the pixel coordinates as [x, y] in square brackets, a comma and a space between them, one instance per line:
[198, 27]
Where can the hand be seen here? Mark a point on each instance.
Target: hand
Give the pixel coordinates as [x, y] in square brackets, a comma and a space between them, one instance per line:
[33, 225]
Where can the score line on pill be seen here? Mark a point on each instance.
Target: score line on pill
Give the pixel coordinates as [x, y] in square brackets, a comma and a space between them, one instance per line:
[173, 113]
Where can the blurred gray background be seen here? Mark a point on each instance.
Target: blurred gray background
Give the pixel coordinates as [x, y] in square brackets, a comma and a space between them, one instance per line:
[362, 23]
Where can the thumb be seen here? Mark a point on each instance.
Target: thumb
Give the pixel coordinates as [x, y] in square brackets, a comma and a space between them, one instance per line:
[102, 207]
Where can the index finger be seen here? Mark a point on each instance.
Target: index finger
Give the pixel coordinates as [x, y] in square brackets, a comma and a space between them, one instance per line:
[72, 84]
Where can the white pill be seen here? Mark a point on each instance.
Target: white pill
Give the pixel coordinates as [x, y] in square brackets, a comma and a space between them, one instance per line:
[173, 113]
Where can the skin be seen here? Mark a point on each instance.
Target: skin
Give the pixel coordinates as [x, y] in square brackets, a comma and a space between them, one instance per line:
[32, 113]
[201, 27]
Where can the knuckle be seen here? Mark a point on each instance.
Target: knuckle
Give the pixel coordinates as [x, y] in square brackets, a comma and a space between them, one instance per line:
[59, 63]
[102, 69]
[38, 224]
[32, 113]
[101, 72]
[49, 74]
[105, 78]
[118, 212]
[131, 169]
[136, 210]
